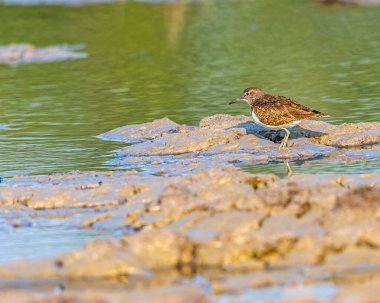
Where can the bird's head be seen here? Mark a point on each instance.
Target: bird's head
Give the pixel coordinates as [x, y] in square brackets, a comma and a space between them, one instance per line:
[250, 95]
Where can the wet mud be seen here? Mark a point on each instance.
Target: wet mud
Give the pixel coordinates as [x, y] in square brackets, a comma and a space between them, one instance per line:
[239, 232]
[199, 229]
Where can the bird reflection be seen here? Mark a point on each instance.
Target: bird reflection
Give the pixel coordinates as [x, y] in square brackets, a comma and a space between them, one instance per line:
[289, 168]
[176, 16]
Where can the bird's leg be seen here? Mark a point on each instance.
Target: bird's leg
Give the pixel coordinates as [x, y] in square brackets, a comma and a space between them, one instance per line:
[284, 141]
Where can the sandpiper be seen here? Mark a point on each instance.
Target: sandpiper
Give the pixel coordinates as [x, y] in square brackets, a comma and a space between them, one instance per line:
[276, 112]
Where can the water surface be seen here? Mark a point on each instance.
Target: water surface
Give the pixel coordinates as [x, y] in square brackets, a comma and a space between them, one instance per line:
[183, 60]
[24, 238]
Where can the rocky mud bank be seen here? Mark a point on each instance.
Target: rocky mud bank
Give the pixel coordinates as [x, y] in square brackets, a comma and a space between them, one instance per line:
[201, 230]
[165, 147]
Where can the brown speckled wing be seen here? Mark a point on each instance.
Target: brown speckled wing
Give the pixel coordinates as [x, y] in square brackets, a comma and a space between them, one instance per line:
[280, 110]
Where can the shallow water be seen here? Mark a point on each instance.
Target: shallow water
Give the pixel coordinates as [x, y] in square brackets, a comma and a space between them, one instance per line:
[317, 166]
[23, 238]
[320, 291]
[323, 291]
[182, 60]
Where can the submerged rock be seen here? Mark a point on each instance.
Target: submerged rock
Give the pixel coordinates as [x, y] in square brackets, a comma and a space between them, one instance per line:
[27, 53]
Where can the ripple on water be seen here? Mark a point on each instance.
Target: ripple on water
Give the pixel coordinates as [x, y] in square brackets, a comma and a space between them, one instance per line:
[367, 61]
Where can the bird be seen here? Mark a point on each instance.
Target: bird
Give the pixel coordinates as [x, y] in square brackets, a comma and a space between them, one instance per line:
[276, 112]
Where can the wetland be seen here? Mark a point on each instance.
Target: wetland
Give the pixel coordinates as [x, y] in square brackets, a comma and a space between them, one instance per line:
[127, 177]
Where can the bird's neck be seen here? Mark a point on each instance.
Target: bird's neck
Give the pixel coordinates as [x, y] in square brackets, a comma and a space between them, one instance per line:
[254, 102]
[259, 100]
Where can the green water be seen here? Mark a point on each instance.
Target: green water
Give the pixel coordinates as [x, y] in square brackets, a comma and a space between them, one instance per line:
[184, 61]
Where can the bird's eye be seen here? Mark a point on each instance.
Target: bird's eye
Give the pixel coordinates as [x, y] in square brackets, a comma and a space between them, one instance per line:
[246, 94]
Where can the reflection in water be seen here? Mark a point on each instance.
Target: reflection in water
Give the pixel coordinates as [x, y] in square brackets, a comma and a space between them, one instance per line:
[176, 15]
[317, 166]
[289, 168]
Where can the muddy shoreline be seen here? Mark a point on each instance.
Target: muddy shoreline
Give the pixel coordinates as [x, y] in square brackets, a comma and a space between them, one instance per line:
[198, 229]
[165, 147]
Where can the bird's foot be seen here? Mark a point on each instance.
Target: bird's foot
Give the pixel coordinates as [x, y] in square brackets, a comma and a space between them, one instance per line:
[283, 147]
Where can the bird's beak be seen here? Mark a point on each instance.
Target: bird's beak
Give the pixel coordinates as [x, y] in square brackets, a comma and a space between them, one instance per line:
[236, 101]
